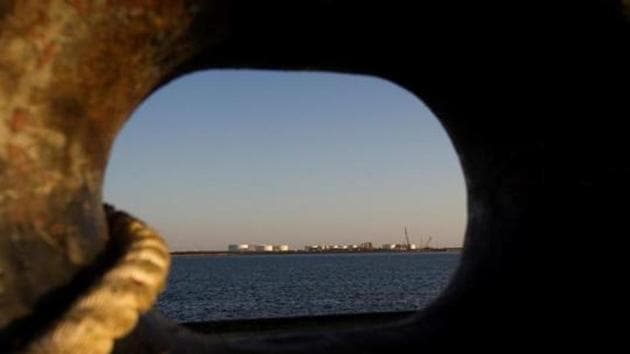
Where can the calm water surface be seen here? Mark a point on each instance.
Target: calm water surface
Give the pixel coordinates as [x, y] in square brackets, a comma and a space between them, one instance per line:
[203, 288]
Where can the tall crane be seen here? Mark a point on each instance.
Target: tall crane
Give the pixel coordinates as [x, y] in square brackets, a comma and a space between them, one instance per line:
[407, 239]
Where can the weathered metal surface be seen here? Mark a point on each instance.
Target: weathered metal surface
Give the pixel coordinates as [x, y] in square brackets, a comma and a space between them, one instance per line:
[71, 72]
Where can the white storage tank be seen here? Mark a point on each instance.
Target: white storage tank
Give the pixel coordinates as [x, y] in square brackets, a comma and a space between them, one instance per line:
[389, 246]
[238, 247]
[264, 248]
[281, 248]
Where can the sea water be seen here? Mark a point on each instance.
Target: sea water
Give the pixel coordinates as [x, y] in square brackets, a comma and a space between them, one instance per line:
[206, 288]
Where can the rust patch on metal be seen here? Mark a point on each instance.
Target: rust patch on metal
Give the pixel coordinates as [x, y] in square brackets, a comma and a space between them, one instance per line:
[83, 7]
[19, 120]
[47, 54]
[37, 32]
[19, 158]
[57, 230]
[18, 215]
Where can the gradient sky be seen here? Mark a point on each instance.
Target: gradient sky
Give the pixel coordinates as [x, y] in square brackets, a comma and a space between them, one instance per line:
[221, 157]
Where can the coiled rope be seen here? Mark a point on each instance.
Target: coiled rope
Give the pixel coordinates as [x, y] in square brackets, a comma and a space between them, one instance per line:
[110, 308]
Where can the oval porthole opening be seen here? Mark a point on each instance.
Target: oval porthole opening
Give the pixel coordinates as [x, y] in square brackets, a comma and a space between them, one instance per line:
[327, 164]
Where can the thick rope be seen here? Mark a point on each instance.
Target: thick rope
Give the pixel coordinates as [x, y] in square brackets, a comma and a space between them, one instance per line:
[110, 308]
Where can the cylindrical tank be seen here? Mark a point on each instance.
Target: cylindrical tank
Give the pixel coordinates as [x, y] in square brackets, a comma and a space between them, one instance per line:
[264, 248]
[238, 247]
[281, 248]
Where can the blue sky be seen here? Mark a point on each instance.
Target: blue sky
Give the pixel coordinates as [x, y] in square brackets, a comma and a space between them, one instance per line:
[221, 157]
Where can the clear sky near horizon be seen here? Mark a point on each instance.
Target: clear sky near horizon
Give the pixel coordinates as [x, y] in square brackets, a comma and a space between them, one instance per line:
[220, 157]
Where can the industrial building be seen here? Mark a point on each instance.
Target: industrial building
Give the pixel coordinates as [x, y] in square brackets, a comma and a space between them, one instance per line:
[263, 248]
[281, 248]
[257, 248]
[398, 246]
[238, 248]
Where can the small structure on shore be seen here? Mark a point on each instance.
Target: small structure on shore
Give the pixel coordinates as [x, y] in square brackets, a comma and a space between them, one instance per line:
[263, 248]
[238, 247]
[399, 247]
[243, 247]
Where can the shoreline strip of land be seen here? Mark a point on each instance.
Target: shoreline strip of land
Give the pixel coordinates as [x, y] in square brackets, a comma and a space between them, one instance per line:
[290, 252]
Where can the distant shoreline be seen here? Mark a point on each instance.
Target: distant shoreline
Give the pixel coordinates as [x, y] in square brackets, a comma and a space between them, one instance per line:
[337, 251]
